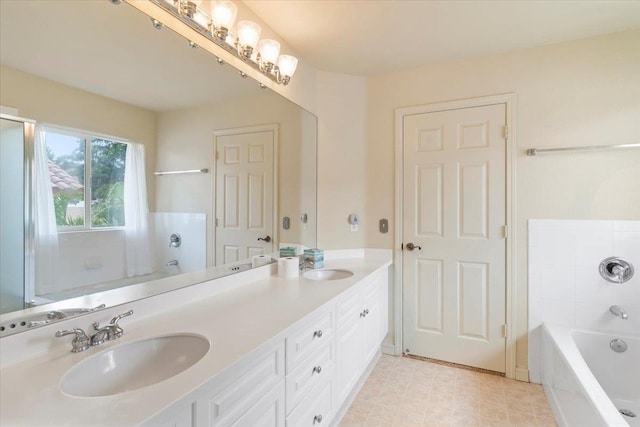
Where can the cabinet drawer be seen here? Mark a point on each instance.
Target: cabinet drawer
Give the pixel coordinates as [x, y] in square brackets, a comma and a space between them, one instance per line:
[315, 369]
[315, 410]
[309, 338]
[234, 400]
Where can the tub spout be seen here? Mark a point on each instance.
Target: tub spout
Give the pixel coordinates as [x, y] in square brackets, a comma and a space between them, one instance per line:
[172, 262]
[616, 310]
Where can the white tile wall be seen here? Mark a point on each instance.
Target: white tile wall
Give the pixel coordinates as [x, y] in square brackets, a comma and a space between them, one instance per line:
[192, 253]
[565, 286]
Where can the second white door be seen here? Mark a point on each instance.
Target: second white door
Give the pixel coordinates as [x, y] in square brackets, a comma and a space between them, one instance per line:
[244, 193]
[454, 259]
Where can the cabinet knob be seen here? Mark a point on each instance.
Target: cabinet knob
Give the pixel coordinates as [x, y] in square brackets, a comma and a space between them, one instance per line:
[316, 369]
[318, 334]
[317, 419]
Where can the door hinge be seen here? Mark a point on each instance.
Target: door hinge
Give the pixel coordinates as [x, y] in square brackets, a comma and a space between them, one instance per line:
[506, 132]
[217, 155]
[505, 330]
[216, 222]
[505, 231]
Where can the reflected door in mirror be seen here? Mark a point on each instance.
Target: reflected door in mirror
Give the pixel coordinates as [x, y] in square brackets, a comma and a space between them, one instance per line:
[244, 193]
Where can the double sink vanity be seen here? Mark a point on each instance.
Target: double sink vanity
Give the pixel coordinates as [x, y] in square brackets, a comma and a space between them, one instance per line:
[252, 349]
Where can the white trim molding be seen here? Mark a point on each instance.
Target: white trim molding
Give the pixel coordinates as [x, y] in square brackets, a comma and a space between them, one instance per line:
[509, 100]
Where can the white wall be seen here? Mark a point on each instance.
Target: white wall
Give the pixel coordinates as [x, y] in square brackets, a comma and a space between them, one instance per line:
[584, 92]
[565, 286]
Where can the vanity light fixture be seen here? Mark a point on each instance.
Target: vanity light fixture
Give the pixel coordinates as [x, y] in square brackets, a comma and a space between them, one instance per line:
[269, 51]
[263, 55]
[189, 8]
[223, 15]
[248, 36]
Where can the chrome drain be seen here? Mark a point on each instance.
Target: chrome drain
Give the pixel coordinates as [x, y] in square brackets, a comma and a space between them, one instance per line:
[618, 345]
[627, 413]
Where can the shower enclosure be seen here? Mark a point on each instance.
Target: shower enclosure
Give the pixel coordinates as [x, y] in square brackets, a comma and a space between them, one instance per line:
[16, 224]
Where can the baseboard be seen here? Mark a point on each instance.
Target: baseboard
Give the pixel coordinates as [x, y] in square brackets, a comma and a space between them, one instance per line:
[522, 374]
[342, 411]
[389, 349]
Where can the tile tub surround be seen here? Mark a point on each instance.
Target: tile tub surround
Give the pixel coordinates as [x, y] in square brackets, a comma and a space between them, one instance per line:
[565, 287]
[406, 392]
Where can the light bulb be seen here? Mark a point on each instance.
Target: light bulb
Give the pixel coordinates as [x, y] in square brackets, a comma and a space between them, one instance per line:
[201, 18]
[224, 14]
[269, 51]
[248, 34]
[287, 65]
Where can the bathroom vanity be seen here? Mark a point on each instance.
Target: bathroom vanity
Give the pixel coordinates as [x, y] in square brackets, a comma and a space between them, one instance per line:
[281, 352]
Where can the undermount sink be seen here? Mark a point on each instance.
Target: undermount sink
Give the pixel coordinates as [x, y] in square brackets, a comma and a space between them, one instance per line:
[134, 365]
[327, 274]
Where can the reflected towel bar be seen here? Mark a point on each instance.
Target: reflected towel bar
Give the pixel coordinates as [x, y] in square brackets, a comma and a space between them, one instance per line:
[159, 173]
[536, 151]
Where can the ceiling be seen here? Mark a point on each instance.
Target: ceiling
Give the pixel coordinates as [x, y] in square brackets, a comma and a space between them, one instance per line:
[365, 37]
[77, 44]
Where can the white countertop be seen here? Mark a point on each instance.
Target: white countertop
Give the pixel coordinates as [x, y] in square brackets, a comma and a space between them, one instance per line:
[253, 311]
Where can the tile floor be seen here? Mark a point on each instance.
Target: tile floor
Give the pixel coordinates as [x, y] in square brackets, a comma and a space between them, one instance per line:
[406, 392]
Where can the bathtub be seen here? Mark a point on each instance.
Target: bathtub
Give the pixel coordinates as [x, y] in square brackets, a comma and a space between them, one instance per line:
[586, 381]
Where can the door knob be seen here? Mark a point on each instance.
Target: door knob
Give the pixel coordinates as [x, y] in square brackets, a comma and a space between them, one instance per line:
[265, 239]
[410, 247]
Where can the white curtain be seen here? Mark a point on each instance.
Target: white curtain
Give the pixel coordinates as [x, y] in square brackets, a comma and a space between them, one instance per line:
[47, 259]
[136, 213]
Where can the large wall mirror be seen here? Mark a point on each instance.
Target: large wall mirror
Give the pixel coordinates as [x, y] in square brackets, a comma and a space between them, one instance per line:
[153, 166]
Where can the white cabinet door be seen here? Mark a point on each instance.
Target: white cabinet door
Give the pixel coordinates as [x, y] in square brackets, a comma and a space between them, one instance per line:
[268, 412]
[241, 388]
[184, 418]
[371, 325]
[383, 299]
[349, 357]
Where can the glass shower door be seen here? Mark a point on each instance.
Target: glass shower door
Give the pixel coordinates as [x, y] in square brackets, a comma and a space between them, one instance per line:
[12, 215]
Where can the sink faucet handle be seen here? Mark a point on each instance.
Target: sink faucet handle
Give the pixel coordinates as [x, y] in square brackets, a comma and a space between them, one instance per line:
[115, 331]
[81, 342]
[115, 320]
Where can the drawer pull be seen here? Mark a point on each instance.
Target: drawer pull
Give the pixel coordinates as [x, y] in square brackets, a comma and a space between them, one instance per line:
[318, 334]
[317, 419]
[316, 369]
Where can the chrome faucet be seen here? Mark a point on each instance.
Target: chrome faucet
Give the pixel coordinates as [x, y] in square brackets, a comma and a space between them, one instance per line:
[109, 332]
[171, 263]
[616, 310]
[81, 341]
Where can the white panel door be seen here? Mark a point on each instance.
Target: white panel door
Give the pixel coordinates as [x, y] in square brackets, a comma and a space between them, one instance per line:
[454, 286]
[244, 195]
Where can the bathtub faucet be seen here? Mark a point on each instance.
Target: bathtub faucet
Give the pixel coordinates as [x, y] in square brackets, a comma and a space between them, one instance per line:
[172, 262]
[616, 310]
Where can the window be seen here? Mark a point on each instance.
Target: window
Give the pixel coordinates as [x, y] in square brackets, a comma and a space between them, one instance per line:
[87, 179]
